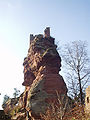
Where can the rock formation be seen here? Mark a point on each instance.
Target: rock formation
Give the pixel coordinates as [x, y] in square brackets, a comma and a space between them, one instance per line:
[41, 76]
[41, 73]
[3, 116]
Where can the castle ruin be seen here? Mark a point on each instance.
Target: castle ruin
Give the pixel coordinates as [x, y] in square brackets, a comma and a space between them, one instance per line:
[87, 100]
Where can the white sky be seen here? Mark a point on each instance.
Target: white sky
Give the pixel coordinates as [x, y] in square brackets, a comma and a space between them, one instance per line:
[11, 72]
[69, 20]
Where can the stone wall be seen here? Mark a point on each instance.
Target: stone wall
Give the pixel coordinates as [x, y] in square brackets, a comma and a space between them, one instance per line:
[87, 100]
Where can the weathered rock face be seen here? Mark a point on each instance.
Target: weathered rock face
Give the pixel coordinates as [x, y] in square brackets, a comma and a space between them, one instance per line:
[41, 74]
[3, 116]
[41, 77]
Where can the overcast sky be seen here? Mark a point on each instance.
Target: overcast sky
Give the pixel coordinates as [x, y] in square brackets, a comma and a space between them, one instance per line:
[69, 20]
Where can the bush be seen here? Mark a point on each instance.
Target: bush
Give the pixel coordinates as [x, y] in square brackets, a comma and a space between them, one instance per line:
[65, 111]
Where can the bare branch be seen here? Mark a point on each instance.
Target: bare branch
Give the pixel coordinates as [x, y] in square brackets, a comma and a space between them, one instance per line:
[77, 64]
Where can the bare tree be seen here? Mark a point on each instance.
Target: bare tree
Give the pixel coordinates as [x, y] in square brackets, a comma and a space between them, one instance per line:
[58, 109]
[77, 66]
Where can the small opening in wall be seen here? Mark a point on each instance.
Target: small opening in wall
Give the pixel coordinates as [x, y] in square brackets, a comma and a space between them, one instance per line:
[87, 99]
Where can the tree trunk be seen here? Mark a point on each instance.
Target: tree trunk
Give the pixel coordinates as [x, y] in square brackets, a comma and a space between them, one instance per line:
[80, 87]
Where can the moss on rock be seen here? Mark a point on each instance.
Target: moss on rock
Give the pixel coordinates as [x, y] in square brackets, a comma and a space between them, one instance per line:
[36, 97]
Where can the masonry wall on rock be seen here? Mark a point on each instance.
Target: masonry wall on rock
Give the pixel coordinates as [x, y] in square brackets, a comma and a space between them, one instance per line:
[87, 100]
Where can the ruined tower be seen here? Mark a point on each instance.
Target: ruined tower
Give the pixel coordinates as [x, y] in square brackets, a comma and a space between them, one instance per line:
[47, 32]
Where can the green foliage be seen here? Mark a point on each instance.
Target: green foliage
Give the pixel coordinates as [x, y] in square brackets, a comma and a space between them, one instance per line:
[73, 119]
[16, 93]
[5, 99]
[15, 110]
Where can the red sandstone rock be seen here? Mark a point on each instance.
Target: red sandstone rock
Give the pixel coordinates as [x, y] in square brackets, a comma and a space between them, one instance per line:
[41, 76]
[41, 73]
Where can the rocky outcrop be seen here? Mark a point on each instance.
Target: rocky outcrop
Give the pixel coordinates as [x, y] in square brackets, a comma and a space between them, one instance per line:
[3, 116]
[41, 76]
[14, 108]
